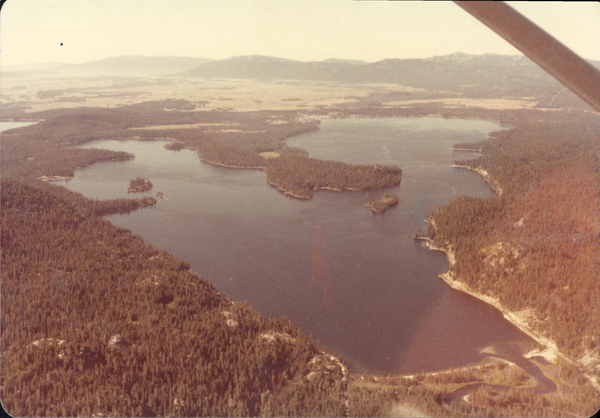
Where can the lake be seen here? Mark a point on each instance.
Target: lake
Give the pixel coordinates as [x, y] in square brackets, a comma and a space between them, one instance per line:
[5, 126]
[356, 281]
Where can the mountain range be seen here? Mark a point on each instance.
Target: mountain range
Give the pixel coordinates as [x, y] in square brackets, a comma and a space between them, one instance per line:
[499, 74]
[509, 74]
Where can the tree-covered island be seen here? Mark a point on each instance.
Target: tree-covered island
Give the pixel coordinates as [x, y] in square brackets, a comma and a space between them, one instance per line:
[139, 185]
[380, 205]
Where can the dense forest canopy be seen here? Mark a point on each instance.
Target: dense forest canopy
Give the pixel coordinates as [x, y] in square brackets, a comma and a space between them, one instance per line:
[93, 315]
[541, 237]
[96, 322]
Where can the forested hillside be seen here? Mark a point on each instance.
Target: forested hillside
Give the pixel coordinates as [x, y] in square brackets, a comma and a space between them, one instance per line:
[96, 322]
[537, 247]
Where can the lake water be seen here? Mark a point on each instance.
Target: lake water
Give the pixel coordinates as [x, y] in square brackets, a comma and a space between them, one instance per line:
[356, 281]
[5, 126]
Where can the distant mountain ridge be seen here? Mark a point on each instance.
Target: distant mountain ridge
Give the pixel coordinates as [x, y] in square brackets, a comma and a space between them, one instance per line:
[491, 59]
[509, 74]
[270, 68]
[502, 74]
[140, 64]
[122, 65]
[345, 61]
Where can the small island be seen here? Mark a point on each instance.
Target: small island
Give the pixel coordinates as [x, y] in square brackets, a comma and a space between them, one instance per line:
[139, 185]
[378, 206]
[174, 146]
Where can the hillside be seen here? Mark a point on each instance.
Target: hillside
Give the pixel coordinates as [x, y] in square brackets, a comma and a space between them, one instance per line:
[457, 72]
[540, 237]
[93, 315]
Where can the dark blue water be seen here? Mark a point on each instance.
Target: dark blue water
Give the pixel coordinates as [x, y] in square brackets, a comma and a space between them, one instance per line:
[354, 280]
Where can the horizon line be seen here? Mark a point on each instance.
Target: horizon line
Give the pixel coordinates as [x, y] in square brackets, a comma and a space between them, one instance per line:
[457, 53]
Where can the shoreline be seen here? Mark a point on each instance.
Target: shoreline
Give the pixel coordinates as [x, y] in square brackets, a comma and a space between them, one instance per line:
[231, 166]
[339, 190]
[510, 316]
[22, 120]
[278, 187]
[486, 176]
[477, 151]
[288, 193]
[54, 178]
[514, 318]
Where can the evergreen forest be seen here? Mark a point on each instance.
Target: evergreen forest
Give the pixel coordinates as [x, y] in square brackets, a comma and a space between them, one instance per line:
[95, 322]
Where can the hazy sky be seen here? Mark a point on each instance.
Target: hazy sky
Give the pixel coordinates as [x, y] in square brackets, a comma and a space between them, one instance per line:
[32, 31]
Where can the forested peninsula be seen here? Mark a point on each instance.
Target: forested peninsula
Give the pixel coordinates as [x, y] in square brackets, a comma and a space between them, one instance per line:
[292, 171]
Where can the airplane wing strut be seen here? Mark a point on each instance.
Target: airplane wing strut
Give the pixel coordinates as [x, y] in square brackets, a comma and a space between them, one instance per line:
[558, 60]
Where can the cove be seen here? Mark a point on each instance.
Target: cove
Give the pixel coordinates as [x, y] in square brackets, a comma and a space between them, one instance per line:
[356, 281]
